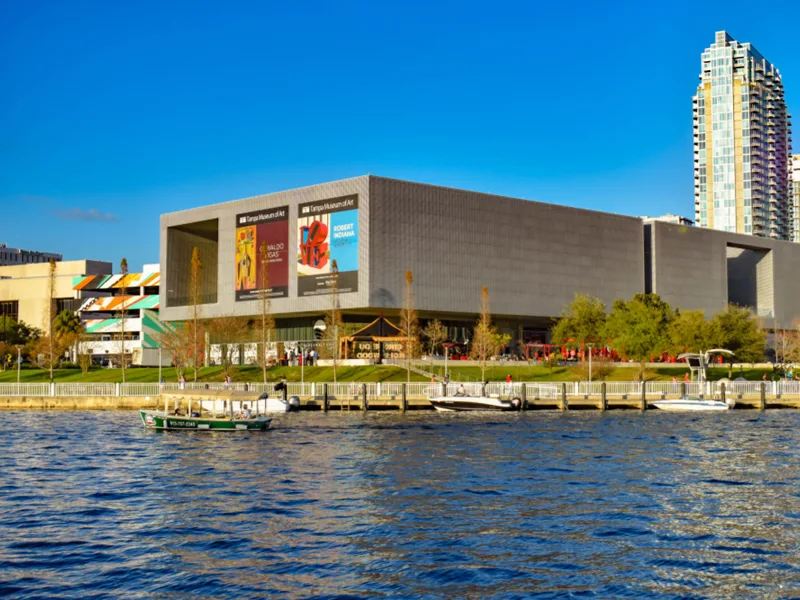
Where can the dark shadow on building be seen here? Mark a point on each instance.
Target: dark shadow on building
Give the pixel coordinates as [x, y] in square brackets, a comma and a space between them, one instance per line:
[750, 279]
[181, 241]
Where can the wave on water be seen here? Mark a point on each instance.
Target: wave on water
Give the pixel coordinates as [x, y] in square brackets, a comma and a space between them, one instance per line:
[616, 505]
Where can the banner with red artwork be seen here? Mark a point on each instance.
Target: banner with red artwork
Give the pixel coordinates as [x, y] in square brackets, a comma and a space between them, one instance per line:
[327, 232]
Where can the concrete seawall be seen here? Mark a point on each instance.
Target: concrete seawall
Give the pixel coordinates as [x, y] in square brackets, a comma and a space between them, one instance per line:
[79, 402]
[567, 402]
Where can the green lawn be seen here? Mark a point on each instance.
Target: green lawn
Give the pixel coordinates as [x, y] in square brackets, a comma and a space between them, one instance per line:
[370, 374]
[239, 374]
[577, 373]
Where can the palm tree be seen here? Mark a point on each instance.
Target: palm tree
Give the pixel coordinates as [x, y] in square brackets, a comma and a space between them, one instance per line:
[67, 328]
[67, 321]
[123, 268]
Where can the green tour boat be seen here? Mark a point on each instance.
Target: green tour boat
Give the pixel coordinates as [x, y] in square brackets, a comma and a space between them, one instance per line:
[230, 418]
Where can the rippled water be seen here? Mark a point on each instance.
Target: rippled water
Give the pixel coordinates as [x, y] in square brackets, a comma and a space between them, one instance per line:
[621, 504]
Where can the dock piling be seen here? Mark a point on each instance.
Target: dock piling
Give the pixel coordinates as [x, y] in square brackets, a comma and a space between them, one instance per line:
[762, 403]
[364, 402]
[325, 398]
[644, 395]
[603, 397]
[564, 402]
[404, 399]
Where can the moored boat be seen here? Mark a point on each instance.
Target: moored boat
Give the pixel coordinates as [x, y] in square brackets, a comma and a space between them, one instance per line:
[279, 404]
[474, 403]
[693, 403]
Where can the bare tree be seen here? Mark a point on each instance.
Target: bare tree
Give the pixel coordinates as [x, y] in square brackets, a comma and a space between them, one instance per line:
[485, 340]
[177, 343]
[435, 333]
[787, 345]
[793, 354]
[123, 268]
[195, 290]
[551, 357]
[409, 324]
[51, 337]
[85, 362]
[227, 331]
[267, 322]
[333, 321]
[50, 348]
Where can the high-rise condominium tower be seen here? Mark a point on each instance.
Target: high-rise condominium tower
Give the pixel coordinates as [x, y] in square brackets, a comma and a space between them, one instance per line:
[742, 143]
[796, 197]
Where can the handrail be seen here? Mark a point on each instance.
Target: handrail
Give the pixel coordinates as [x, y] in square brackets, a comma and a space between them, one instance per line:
[373, 389]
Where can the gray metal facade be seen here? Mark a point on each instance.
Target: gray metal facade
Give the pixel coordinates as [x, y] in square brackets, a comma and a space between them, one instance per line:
[704, 269]
[533, 257]
[174, 274]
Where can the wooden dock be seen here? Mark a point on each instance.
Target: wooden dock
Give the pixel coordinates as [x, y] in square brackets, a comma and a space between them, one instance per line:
[570, 403]
[403, 402]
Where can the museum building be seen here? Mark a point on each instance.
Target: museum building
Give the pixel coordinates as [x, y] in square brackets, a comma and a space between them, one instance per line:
[533, 258]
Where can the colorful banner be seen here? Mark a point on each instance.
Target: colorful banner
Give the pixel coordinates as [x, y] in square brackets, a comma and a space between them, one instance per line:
[262, 235]
[327, 232]
[107, 282]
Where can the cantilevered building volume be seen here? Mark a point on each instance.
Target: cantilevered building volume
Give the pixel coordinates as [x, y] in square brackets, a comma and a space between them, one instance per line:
[742, 143]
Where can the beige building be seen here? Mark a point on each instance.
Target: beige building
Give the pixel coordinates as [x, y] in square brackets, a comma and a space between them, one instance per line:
[24, 293]
[796, 197]
[742, 142]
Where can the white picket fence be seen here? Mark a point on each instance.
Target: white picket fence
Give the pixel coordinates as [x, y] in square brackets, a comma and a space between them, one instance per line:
[85, 389]
[25, 389]
[528, 389]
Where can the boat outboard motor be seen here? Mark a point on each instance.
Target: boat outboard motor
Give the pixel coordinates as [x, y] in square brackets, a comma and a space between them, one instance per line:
[294, 404]
[516, 402]
[730, 401]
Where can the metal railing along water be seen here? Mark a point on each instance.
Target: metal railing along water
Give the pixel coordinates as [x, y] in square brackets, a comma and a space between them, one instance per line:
[24, 389]
[414, 389]
[85, 389]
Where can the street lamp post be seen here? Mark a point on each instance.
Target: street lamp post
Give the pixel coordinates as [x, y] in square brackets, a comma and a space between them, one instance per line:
[160, 362]
[590, 345]
[446, 346]
[19, 363]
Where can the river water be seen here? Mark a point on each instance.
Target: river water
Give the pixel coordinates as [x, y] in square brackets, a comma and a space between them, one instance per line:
[551, 505]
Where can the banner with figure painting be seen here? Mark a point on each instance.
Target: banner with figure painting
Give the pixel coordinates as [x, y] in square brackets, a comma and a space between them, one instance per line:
[262, 233]
[327, 231]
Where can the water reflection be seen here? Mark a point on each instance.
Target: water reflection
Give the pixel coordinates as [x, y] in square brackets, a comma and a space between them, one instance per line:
[621, 504]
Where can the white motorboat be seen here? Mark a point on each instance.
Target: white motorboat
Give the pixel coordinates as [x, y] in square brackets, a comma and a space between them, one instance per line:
[698, 362]
[474, 403]
[278, 404]
[693, 403]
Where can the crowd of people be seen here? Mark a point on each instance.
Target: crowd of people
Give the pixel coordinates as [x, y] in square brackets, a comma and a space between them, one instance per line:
[291, 358]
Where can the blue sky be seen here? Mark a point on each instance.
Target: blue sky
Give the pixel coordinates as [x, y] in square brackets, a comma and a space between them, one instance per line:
[113, 113]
